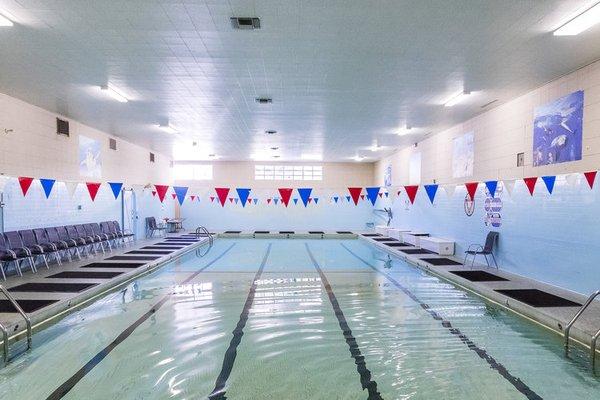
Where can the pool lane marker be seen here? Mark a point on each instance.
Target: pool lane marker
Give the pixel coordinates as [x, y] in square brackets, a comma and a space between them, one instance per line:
[66, 387]
[231, 353]
[482, 353]
[359, 359]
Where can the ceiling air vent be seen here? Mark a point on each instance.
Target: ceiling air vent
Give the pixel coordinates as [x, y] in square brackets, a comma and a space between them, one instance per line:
[62, 127]
[245, 22]
[112, 143]
[263, 100]
[270, 132]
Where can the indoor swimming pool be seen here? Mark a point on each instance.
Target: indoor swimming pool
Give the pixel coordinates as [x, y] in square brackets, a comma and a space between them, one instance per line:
[295, 319]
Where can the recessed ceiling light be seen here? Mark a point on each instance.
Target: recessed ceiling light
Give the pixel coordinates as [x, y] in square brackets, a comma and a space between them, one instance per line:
[457, 98]
[580, 23]
[270, 132]
[168, 128]
[4, 21]
[405, 130]
[114, 94]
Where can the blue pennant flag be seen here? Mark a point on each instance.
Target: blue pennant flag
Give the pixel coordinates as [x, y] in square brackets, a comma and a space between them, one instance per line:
[316, 199]
[180, 192]
[295, 201]
[336, 198]
[255, 201]
[387, 194]
[236, 200]
[431, 191]
[116, 188]
[304, 195]
[549, 181]
[275, 200]
[491, 187]
[243, 193]
[47, 185]
[372, 193]
[348, 198]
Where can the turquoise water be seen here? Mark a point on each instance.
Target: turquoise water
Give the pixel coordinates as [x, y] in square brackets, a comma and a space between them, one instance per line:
[326, 319]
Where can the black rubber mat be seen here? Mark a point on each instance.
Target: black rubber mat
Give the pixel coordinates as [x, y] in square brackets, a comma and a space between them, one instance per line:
[262, 232]
[133, 258]
[417, 251]
[52, 287]
[370, 234]
[440, 261]
[385, 239]
[232, 232]
[85, 275]
[287, 232]
[173, 243]
[478, 276]
[398, 244]
[316, 232]
[344, 232]
[157, 252]
[113, 265]
[537, 298]
[182, 240]
[28, 306]
[163, 247]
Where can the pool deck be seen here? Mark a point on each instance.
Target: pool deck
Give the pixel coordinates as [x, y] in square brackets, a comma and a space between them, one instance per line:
[553, 318]
[63, 303]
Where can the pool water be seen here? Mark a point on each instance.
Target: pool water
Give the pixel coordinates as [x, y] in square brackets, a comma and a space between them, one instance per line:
[295, 319]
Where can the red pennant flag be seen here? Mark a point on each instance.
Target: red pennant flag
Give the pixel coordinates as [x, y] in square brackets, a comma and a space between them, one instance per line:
[590, 177]
[25, 183]
[222, 195]
[212, 199]
[93, 189]
[362, 196]
[411, 192]
[530, 182]
[161, 191]
[192, 197]
[380, 195]
[153, 193]
[355, 194]
[174, 196]
[285, 194]
[471, 189]
[268, 201]
[309, 200]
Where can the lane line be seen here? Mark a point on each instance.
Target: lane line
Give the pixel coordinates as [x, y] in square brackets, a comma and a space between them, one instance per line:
[482, 353]
[359, 359]
[231, 353]
[66, 387]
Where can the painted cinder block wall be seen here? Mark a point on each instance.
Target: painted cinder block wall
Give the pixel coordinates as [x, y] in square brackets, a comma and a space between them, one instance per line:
[34, 149]
[553, 238]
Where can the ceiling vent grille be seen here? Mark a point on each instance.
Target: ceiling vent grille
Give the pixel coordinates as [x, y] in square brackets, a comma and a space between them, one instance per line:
[112, 144]
[263, 100]
[245, 23]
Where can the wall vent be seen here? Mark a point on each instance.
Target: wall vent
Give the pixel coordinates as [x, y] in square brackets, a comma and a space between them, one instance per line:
[62, 127]
[151, 157]
[249, 23]
[112, 144]
[263, 100]
[520, 159]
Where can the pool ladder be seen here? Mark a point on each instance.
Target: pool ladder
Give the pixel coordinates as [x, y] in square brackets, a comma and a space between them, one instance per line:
[200, 232]
[594, 338]
[5, 339]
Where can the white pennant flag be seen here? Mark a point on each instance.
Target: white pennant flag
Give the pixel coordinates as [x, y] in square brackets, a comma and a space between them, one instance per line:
[572, 179]
[138, 190]
[509, 185]
[3, 181]
[71, 187]
[449, 189]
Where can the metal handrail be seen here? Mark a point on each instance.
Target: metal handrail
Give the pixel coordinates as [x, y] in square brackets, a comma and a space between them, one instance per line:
[202, 229]
[576, 317]
[593, 349]
[25, 317]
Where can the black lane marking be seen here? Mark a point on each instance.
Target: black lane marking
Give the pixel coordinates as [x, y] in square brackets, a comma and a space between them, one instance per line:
[482, 353]
[359, 359]
[66, 387]
[231, 353]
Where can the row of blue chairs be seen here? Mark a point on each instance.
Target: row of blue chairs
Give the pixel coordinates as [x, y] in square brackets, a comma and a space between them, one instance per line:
[31, 245]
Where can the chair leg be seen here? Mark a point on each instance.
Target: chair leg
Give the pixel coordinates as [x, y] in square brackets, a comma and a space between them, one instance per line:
[2, 270]
[18, 266]
[45, 260]
[473, 261]
[486, 260]
[32, 264]
[465, 260]
[494, 259]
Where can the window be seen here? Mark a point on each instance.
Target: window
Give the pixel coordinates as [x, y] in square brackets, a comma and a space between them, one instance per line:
[192, 172]
[288, 172]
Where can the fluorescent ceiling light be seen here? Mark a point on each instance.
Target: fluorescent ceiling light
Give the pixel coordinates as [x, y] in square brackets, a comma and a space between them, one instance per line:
[358, 158]
[375, 147]
[114, 94]
[4, 21]
[404, 131]
[168, 128]
[580, 23]
[312, 157]
[456, 98]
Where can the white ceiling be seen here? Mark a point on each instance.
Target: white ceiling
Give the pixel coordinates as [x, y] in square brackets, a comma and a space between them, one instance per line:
[342, 74]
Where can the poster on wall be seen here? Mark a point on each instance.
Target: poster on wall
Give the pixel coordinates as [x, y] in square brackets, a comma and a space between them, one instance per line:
[387, 176]
[463, 154]
[414, 169]
[492, 207]
[557, 130]
[90, 163]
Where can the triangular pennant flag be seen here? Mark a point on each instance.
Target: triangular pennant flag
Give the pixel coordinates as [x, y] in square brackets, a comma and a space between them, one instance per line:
[255, 201]
[236, 200]
[355, 194]
[431, 191]
[411, 192]
[269, 200]
[348, 199]
[295, 200]
[47, 185]
[309, 200]
[222, 195]
[590, 177]
[449, 189]
[243, 194]
[509, 185]
[180, 192]
[372, 193]
[387, 194]
[304, 195]
[276, 200]
[471, 189]
[549, 181]
[174, 196]
[380, 195]
[491, 187]
[25, 183]
[316, 199]
[212, 199]
[530, 182]
[154, 193]
[336, 198]
[362, 196]
[285, 194]
[71, 187]
[93, 189]
[192, 197]
[161, 191]
[116, 188]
